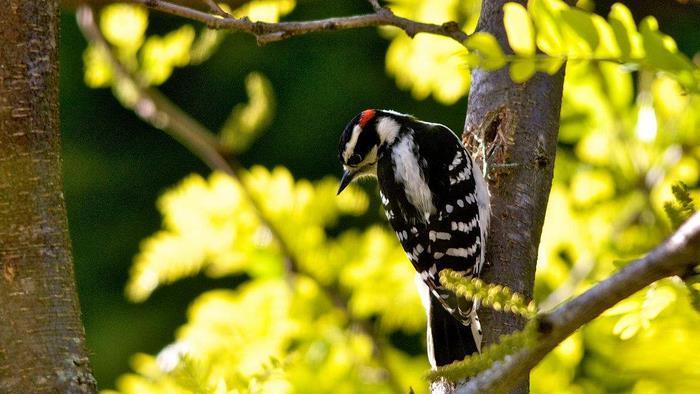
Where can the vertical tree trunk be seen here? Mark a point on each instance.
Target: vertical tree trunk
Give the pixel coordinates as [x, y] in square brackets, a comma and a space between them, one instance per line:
[523, 119]
[42, 344]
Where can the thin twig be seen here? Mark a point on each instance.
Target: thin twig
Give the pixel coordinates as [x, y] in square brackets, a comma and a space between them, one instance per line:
[673, 257]
[375, 5]
[215, 9]
[156, 109]
[270, 32]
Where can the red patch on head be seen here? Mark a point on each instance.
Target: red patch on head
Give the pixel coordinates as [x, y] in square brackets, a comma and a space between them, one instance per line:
[366, 116]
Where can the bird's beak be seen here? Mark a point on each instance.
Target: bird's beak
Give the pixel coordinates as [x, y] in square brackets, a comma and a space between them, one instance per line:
[345, 180]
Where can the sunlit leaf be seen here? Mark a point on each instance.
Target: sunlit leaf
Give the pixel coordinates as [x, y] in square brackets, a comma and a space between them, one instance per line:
[580, 33]
[661, 50]
[521, 35]
[160, 55]
[205, 45]
[248, 120]
[265, 10]
[625, 30]
[521, 70]
[98, 68]
[549, 38]
[607, 47]
[124, 25]
[492, 56]
[428, 65]
[550, 65]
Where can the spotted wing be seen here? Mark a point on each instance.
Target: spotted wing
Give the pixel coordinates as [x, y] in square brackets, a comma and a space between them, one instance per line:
[456, 233]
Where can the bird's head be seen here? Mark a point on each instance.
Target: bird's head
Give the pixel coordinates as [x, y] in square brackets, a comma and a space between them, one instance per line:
[363, 140]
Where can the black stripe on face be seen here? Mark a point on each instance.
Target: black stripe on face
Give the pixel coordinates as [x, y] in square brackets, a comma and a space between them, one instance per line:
[360, 146]
[367, 140]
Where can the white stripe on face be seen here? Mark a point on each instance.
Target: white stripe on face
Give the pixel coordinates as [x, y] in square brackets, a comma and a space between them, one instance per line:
[350, 146]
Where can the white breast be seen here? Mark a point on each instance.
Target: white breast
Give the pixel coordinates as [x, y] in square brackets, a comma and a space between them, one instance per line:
[408, 172]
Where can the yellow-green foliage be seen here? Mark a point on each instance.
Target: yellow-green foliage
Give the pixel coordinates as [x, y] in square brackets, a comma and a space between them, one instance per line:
[692, 282]
[493, 296]
[682, 208]
[472, 365]
[211, 224]
[265, 336]
[543, 36]
[620, 156]
[246, 121]
[271, 335]
[430, 64]
[152, 57]
[678, 211]
[624, 144]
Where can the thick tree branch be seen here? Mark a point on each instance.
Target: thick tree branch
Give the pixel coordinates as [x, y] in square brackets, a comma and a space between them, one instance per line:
[673, 257]
[42, 340]
[270, 32]
[518, 125]
[156, 109]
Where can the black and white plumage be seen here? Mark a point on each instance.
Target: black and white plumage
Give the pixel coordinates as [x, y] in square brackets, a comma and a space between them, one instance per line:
[437, 202]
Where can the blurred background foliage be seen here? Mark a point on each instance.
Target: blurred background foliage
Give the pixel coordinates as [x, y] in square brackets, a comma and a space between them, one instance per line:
[272, 283]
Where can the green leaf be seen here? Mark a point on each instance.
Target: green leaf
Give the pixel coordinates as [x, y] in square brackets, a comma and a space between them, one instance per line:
[622, 14]
[98, 68]
[580, 32]
[248, 120]
[549, 37]
[124, 25]
[618, 84]
[625, 31]
[550, 65]
[622, 38]
[497, 297]
[521, 34]
[693, 285]
[661, 50]
[477, 362]
[522, 69]
[607, 45]
[682, 208]
[160, 55]
[492, 56]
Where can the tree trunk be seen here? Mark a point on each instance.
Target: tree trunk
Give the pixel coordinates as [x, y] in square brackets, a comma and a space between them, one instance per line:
[42, 342]
[523, 121]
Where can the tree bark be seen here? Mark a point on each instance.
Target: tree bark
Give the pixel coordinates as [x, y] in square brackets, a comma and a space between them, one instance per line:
[521, 122]
[42, 341]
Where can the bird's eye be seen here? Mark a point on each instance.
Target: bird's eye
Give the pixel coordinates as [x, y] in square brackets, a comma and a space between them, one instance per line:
[354, 159]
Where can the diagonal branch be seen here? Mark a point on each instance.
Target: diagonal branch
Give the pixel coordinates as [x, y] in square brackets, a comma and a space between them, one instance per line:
[156, 109]
[673, 257]
[266, 32]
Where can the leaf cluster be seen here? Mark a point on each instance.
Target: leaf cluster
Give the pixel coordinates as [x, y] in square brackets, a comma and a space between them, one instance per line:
[497, 297]
[682, 208]
[210, 226]
[478, 362]
[542, 37]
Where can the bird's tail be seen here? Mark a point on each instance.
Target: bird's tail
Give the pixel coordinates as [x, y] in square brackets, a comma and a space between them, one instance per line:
[448, 339]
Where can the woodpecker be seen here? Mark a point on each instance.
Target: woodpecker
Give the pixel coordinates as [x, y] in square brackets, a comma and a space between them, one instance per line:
[437, 201]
